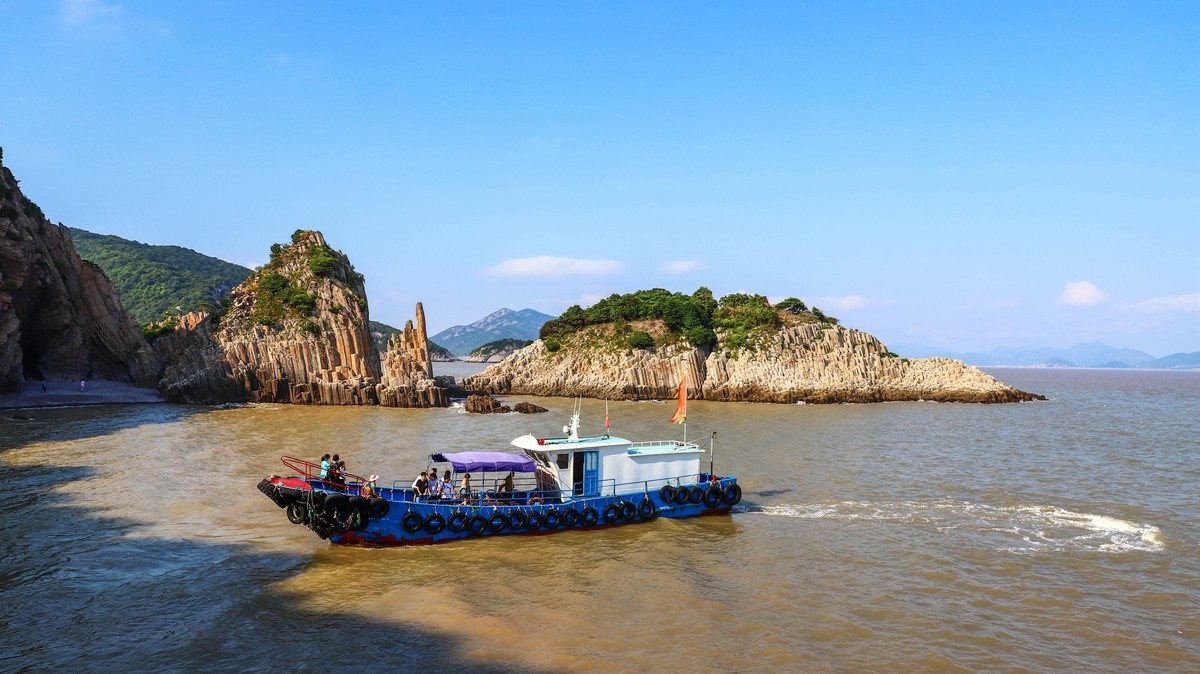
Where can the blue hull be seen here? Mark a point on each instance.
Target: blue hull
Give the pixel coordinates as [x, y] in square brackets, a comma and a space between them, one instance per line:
[426, 523]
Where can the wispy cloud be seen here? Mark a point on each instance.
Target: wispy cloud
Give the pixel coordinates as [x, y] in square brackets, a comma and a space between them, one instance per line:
[682, 266]
[1179, 304]
[547, 266]
[1081, 294]
[845, 303]
[89, 14]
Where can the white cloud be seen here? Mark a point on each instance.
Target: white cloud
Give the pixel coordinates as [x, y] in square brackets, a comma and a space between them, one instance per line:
[546, 266]
[1178, 304]
[588, 299]
[88, 13]
[1081, 294]
[846, 303]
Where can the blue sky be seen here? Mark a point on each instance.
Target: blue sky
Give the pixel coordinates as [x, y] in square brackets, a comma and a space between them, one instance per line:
[964, 175]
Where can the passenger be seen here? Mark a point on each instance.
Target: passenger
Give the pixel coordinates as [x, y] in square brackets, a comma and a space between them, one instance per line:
[508, 483]
[421, 485]
[324, 466]
[336, 468]
[435, 485]
[369, 490]
[465, 489]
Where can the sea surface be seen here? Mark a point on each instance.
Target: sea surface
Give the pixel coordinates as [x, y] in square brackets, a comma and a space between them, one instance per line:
[1048, 536]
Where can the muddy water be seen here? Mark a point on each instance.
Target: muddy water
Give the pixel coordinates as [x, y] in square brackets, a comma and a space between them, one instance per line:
[1051, 536]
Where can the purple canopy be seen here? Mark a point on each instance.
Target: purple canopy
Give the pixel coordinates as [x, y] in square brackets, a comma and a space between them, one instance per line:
[487, 461]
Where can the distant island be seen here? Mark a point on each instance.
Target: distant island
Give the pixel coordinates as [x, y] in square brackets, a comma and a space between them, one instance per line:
[494, 352]
[505, 323]
[1086, 354]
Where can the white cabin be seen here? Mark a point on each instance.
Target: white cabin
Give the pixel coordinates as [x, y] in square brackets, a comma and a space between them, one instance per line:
[609, 465]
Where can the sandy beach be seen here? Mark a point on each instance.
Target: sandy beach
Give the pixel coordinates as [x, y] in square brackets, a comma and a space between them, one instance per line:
[68, 394]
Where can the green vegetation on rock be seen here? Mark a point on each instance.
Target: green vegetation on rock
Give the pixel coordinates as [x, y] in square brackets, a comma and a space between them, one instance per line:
[740, 319]
[154, 281]
[500, 345]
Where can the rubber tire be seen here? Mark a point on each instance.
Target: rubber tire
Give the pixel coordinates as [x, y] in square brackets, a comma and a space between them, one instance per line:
[570, 518]
[516, 520]
[477, 525]
[434, 524]
[359, 520]
[732, 495]
[667, 493]
[497, 522]
[321, 529]
[318, 500]
[297, 513]
[533, 522]
[357, 503]
[628, 510]
[412, 522]
[713, 496]
[379, 507]
[612, 513]
[337, 506]
[646, 510]
[589, 516]
[682, 495]
[552, 518]
[695, 494]
[457, 523]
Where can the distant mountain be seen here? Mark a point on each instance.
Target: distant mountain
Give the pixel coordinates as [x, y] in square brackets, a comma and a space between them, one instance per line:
[1089, 354]
[155, 280]
[503, 324]
[1175, 361]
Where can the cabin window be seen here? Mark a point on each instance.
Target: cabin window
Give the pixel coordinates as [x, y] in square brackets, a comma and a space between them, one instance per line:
[564, 461]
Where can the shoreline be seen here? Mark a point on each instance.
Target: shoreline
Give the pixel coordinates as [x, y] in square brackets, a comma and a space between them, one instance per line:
[67, 394]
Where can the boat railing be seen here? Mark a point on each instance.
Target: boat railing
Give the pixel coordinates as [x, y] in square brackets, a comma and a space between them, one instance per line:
[665, 443]
[607, 488]
[312, 473]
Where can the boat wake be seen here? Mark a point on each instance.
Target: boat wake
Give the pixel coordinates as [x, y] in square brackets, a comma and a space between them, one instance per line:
[1019, 529]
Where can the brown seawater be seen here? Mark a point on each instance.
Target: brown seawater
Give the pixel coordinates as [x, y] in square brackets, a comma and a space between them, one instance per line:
[1060, 535]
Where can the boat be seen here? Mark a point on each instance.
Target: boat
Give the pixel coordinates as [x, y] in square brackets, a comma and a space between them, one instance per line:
[554, 485]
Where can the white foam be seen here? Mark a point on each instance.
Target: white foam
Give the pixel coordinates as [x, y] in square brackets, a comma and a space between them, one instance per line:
[1040, 528]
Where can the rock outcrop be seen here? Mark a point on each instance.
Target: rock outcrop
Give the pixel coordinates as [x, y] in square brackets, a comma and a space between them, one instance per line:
[60, 318]
[296, 331]
[802, 362]
[485, 404]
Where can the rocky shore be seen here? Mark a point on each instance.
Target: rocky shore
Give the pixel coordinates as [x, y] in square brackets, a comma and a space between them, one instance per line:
[813, 363]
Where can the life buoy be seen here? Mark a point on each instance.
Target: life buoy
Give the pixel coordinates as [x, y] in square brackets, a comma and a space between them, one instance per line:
[535, 500]
[379, 507]
[732, 495]
[589, 516]
[476, 525]
[712, 496]
[297, 513]
[552, 518]
[627, 510]
[682, 495]
[647, 510]
[496, 522]
[457, 523]
[412, 522]
[695, 495]
[516, 520]
[533, 522]
[570, 518]
[435, 523]
[612, 513]
[667, 493]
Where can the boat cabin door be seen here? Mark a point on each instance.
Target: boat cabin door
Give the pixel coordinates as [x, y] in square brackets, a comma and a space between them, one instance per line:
[585, 473]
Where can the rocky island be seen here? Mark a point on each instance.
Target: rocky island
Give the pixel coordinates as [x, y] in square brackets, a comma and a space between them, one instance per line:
[640, 346]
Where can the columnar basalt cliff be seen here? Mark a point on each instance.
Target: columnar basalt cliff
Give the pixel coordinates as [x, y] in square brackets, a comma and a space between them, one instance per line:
[408, 379]
[295, 332]
[60, 318]
[811, 362]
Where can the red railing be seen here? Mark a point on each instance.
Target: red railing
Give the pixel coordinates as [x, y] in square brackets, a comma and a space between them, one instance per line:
[312, 471]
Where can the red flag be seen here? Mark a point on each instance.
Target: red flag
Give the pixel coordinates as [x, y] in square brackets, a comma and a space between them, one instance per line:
[681, 411]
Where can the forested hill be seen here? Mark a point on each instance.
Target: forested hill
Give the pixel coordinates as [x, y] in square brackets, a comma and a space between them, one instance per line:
[154, 280]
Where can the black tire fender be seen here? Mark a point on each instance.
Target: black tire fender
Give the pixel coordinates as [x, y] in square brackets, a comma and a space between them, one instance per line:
[497, 522]
[379, 507]
[646, 509]
[628, 510]
[732, 495]
[695, 494]
[612, 513]
[713, 496]
[570, 518]
[667, 493]
[457, 523]
[516, 520]
[297, 513]
[476, 525]
[552, 518]
[533, 521]
[589, 516]
[682, 495]
[412, 522]
[434, 524]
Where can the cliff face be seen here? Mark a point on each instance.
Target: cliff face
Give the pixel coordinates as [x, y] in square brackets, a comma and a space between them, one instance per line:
[408, 379]
[60, 318]
[808, 362]
[296, 331]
